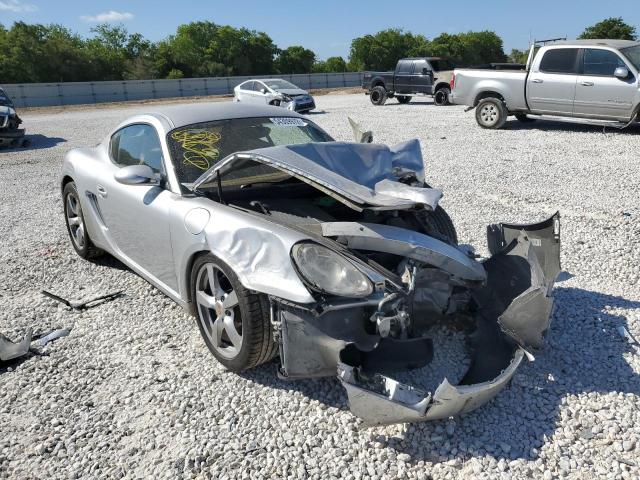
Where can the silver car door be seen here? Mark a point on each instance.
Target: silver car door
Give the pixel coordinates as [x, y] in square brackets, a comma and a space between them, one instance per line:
[599, 93]
[551, 87]
[137, 216]
[263, 94]
[245, 92]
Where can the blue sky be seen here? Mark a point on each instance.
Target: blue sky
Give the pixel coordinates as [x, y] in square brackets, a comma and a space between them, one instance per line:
[327, 26]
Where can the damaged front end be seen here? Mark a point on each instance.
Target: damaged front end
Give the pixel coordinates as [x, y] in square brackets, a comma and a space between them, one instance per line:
[380, 261]
[502, 305]
[10, 133]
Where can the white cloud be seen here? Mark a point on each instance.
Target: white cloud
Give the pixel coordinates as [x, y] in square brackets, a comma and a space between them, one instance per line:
[16, 6]
[105, 17]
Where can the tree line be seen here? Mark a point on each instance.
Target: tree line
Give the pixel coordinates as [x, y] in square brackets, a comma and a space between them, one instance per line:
[53, 53]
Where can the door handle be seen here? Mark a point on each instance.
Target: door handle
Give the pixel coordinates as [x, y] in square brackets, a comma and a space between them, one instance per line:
[101, 190]
[587, 84]
[537, 80]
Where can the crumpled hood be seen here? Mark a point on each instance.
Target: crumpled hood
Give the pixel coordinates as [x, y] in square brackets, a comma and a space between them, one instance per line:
[364, 175]
[291, 91]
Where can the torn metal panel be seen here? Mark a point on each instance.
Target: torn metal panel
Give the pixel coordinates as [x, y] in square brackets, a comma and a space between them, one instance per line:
[429, 197]
[10, 350]
[406, 243]
[544, 237]
[380, 400]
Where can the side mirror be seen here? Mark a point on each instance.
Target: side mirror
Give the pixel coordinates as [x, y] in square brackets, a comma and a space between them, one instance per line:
[263, 90]
[621, 72]
[138, 175]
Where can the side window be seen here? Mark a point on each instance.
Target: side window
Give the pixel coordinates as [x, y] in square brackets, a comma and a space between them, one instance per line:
[247, 86]
[258, 86]
[137, 145]
[601, 62]
[418, 65]
[559, 60]
[405, 67]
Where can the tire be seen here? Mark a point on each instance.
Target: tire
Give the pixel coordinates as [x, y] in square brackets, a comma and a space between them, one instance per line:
[403, 99]
[522, 117]
[438, 224]
[378, 95]
[491, 113]
[441, 97]
[76, 226]
[245, 338]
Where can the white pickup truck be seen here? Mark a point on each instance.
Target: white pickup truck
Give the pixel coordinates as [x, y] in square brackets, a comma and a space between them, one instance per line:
[592, 80]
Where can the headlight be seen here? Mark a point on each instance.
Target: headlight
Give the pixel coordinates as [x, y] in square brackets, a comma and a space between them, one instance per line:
[330, 272]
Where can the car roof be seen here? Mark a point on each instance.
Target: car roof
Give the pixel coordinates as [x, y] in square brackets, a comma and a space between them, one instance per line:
[187, 114]
[596, 43]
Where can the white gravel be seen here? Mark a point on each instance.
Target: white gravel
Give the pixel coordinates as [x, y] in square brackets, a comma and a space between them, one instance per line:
[132, 392]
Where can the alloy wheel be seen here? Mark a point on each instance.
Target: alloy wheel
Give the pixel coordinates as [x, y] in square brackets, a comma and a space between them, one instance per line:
[75, 221]
[218, 309]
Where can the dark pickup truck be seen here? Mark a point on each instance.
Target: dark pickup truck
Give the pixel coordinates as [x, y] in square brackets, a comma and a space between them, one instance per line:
[412, 76]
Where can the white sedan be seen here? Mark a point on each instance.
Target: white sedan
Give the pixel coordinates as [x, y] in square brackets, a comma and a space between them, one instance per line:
[274, 91]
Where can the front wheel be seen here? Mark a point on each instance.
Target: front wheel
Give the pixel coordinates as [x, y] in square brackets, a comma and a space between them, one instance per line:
[491, 113]
[441, 97]
[403, 99]
[233, 322]
[378, 95]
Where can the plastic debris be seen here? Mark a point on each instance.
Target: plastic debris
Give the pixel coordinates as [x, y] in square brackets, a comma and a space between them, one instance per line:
[93, 302]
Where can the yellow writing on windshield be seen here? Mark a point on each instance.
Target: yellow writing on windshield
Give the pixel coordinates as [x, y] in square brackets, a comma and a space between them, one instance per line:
[199, 147]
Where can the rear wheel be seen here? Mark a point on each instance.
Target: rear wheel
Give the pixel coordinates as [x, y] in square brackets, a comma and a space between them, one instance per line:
[76, 226]
[378, 95]
[491, 113]
[233, 322]
[403, 99]
[441, 97]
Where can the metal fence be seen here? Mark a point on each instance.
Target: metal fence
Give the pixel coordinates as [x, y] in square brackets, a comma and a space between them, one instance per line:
[75, 93]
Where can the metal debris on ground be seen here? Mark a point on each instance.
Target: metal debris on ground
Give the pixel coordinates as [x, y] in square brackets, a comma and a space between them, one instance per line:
[624, 333]
[54, 335]
[10, 350]
[93, 302]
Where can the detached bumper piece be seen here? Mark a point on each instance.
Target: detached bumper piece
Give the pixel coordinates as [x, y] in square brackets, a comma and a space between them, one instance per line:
[511, 311]
[10, 350]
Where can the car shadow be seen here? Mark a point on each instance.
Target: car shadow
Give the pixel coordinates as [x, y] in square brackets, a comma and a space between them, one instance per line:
[546, 125]
[36, 142]
[584, 353]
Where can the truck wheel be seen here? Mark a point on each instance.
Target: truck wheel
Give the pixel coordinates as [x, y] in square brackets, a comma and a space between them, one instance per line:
[441, 97]
[378, 95]
[491, 113]
[403, 99]
[522, 117]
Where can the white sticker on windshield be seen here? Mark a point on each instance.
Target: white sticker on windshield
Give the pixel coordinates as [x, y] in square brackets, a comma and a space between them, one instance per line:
[288, 122]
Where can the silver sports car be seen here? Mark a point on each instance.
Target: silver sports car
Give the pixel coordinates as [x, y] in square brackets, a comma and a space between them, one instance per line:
[334, 256]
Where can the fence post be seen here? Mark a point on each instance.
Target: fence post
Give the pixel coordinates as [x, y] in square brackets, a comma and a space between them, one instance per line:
[153, 88]
[60, 96]
[24, 102]
[124, 91]
[228, 86]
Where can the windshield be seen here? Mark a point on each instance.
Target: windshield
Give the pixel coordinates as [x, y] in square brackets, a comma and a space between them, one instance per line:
[279, 84]
[196, 148]
[4, 100]
[633, 54]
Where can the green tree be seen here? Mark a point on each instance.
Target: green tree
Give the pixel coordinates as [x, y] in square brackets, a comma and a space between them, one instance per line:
[470, 48]
[201, 49]
[611, 28]
[330, 65]
[382, 50]
[518, 56]
[295, 59]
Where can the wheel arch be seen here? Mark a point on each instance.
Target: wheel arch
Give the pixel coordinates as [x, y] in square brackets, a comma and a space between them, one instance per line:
[487, 94]
[440, 85]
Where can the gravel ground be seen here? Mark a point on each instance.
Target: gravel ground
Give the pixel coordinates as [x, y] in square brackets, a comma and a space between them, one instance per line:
[132, 392]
